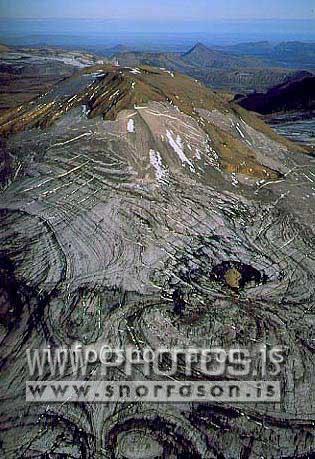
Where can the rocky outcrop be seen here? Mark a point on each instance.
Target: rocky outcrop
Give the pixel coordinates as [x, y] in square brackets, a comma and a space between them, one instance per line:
[141, 209]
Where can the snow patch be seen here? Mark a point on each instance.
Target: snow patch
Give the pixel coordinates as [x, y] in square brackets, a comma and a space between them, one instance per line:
[131, 125]
[85, 110]
[156, 162]
[97, 74]
[235, 182]
[170, 73]
[179, 150]
[198, 156]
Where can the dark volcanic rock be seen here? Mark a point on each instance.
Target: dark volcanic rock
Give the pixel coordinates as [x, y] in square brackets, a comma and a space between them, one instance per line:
[141, 209]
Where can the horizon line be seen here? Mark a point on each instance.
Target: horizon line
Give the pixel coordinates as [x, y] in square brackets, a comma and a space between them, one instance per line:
[160, 20]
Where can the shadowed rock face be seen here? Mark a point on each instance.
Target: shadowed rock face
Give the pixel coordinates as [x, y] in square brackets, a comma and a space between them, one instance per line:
[128, 218]
[296, 95]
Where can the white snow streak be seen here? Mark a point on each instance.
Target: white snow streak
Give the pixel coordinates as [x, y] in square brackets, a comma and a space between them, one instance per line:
[115, 94]
[156, 161]
[198, 156]
[234, 179]
[85, 110]
[178, 148]
[239, 131]
[170, 73]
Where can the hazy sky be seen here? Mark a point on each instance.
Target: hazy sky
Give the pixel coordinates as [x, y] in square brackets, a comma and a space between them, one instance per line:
[193, 10]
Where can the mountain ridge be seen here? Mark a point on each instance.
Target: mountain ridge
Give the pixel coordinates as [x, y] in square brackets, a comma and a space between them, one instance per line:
[137, 101]
[203, 55]
[215, 68]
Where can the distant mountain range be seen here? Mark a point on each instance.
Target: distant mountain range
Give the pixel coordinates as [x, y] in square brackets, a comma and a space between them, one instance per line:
[198, 56]
[244, 68]
[118, 49]
[201, 55]
[293, 54]
[216, 68]
[295, 94]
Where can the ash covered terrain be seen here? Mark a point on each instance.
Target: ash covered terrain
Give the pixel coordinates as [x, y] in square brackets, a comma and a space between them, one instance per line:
[139, 207]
